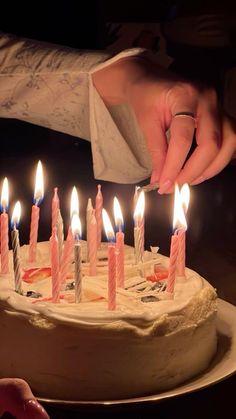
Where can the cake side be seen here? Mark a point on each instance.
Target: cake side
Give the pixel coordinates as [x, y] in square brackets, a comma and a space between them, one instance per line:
[83, 352]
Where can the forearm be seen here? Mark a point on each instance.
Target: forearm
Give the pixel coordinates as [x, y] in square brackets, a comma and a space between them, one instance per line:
[46, 84]
[52, 86]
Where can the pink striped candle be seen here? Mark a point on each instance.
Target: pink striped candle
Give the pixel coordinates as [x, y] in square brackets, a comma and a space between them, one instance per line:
[174, 248]
[54, 252]
[111, 261]
[89, 212]
[4, 229]
[38, 196]
[177, 240]
[55, 208]
[111, 276]
[120, 259]
[92, 245]
[98, 208]
[33, 233]
[181, 253]
[66, 256]
[120, 238]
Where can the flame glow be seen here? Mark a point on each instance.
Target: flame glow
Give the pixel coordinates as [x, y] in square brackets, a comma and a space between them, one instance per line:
[179, 220]
[139, 209]
[5, 195]
[118, 214]
[185, 197]
[108, 226]
[39, 184]
[74, 203]
[76, 226]
[15, 219]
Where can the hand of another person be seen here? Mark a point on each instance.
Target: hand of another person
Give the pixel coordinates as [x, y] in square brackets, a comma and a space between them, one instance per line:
[163, 103]
[16, 398]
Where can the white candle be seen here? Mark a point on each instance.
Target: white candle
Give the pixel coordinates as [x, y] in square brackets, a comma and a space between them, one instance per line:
[16, 247]
[98, 209]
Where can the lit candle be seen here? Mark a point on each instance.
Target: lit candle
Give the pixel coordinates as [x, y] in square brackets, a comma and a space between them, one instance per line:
[98, 208]
[93, 245]
[139, 227]
[54, 251]
[111, 261]
[89, 212]
[120, 251]
[38, 196]
[178, 220]
[16, 247]
[55, 208]
[185, 198]
[4, 228]
[76, 230]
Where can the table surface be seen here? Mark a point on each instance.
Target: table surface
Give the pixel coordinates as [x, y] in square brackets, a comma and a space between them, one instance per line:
[211, 238]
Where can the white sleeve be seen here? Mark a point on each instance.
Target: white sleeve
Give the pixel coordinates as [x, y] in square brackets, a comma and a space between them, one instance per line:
[51, 86]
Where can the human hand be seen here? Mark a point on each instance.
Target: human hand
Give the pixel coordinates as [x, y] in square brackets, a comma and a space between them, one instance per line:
[16, 398]
[163, 103]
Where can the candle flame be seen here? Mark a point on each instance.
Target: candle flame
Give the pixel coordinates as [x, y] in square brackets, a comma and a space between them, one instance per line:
[108, 226]
[39, 184]
[15, 219]
[185, 197]
[118, 214]
[74, 203]
[139, 209]
[76, 226]
[5, 195]
[179, 220]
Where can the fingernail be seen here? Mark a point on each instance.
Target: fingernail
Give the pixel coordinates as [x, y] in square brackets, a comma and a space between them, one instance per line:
[34, 410]
[165, 187]
[200, 179]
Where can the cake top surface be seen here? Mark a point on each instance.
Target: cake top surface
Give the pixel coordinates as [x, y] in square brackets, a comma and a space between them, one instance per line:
[141, 302]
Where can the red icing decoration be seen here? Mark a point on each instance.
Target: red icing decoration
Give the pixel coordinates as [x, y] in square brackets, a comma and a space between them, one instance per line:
[32, 275]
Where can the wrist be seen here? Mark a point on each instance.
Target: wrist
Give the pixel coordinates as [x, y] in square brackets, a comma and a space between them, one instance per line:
[114, 81]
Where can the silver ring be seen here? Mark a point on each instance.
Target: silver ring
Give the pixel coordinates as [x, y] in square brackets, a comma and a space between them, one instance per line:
[186, 115]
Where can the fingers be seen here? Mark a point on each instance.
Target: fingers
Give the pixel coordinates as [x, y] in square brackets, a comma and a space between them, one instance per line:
[224, 156]
[154, 134]
[181, 137]
[16, 398]
[208, 136]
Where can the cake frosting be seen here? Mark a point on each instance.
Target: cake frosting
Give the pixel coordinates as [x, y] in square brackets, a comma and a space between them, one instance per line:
[83, 351]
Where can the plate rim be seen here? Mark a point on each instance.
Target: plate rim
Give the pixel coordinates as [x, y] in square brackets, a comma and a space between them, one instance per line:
[225, 311]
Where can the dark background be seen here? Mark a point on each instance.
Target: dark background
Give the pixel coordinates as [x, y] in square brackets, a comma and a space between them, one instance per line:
[211, 236]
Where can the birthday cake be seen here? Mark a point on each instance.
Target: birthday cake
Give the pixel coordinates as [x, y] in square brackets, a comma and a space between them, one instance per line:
[83, 351]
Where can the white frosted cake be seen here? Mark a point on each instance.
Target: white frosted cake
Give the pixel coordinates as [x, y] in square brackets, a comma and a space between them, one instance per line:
[70, 351]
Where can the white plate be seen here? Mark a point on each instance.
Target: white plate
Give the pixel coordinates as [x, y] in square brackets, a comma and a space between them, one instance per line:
[222, 366]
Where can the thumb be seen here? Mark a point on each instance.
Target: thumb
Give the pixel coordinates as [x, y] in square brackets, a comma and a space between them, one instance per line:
[17, 398]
